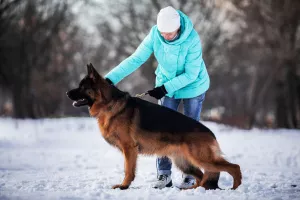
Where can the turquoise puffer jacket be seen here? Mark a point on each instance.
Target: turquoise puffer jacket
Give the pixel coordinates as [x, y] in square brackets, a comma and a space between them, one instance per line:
[180, 69]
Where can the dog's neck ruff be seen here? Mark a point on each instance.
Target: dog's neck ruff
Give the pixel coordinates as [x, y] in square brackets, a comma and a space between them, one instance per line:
[109, 106]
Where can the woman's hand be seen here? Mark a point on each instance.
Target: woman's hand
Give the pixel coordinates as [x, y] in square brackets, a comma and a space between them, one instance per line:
[158, 92]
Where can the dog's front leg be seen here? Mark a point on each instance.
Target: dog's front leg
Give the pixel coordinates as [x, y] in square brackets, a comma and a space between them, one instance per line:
[130, 158]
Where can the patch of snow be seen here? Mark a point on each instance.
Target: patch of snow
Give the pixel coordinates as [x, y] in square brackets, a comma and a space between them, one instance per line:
[68, 159]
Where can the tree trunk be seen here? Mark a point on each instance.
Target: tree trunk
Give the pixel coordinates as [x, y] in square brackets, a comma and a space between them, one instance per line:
[288, 101]
[22, 98]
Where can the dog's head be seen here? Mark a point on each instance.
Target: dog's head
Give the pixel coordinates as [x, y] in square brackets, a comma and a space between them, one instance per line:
[92, 88]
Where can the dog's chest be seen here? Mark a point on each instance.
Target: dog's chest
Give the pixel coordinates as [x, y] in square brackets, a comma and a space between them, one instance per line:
[113, 139]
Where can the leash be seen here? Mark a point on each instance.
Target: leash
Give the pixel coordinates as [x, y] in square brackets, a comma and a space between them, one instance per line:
[141, 95]
[144, 94]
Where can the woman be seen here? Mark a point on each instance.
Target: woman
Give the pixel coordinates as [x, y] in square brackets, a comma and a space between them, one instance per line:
[181, 74]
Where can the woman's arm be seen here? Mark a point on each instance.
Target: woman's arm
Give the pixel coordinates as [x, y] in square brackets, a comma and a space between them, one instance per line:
[130, 64]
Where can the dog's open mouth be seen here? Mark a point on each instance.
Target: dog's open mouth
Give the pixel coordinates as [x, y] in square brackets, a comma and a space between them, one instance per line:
[80, 102]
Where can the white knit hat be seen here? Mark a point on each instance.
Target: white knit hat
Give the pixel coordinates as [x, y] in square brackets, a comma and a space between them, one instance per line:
[168, 20]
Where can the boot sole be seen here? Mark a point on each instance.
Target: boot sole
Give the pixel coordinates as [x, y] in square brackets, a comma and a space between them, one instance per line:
[170, 184]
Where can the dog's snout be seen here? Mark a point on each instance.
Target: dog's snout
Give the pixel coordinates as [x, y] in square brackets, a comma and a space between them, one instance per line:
[74, 94]
[70, 94]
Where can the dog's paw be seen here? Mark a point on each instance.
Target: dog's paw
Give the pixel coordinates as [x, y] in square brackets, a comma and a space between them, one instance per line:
[122, 187]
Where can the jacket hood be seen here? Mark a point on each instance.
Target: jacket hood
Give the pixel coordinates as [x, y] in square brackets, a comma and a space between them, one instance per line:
[186, 27]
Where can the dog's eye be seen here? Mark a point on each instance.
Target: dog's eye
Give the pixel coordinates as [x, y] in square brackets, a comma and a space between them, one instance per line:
[89, 92]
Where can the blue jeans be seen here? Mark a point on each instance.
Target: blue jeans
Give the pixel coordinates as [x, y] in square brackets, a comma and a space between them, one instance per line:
[192, 108]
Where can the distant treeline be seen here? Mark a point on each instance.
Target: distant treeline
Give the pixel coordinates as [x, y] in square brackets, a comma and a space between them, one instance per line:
[251, 49]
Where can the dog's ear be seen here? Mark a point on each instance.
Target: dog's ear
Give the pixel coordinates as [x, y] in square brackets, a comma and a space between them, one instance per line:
[92, 73]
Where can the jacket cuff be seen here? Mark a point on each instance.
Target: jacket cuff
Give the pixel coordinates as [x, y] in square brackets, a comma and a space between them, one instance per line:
[168, 87]
[164, 89]
[109, 81]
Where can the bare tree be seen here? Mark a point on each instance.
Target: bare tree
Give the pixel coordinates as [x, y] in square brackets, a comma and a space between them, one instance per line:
[7, 18]
[34, 47]
[272, 27]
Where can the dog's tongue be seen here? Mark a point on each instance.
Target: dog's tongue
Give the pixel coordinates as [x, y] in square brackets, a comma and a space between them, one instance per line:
[81, 102]
[75, 104]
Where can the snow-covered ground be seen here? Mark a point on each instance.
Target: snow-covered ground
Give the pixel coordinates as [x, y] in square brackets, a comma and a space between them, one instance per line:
[68, 159]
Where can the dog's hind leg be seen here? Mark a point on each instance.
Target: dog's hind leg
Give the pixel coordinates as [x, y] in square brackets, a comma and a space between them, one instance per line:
[223, 165]
[130, 156]
[212, 180]
[194, 154]
[206, 180]
[186, 167]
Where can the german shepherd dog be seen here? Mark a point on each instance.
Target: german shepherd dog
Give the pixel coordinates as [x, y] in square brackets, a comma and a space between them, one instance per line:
[136, 126]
